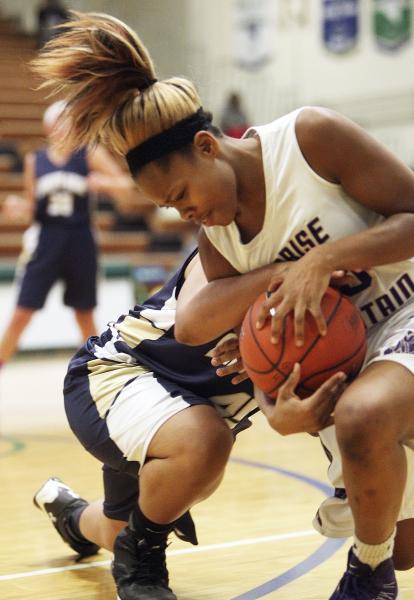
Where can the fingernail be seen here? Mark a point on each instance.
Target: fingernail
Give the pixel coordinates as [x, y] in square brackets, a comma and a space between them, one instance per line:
[274, 340]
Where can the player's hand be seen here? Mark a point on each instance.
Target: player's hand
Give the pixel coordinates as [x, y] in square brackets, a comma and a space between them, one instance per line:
[301, 291]
[16, 208]
[226, 356]
[291, 414]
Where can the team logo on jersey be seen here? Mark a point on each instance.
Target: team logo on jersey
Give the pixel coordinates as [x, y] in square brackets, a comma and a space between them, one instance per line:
[254, 32]
[340, 24]
[404, 346]
[392, 23]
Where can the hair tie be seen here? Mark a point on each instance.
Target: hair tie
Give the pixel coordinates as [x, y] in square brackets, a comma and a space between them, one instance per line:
[149, 83]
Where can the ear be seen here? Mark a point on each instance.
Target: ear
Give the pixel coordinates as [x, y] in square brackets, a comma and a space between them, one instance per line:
[206, 143]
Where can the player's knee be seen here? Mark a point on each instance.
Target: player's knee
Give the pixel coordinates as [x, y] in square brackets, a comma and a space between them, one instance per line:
[208, 452]
[357, 424]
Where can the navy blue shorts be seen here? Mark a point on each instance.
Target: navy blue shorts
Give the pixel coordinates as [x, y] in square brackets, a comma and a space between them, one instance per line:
[120, 473]
[62, 253]
[114, 410]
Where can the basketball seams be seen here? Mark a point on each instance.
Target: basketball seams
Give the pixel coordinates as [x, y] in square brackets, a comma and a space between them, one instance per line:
[273, 366]
[337, 365]
[270, 373]
[312, 345]
[318, 337]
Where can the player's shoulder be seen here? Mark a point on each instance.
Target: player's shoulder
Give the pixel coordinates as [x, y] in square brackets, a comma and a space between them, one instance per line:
[323, 136]
[317, 120]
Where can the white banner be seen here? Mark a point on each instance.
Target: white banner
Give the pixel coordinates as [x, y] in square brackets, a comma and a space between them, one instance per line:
[254, 32]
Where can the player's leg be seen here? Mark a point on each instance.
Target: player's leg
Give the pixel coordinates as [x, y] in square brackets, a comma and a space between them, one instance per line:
[133, 421]
[86, 322]
[403, 556]
[373, 418]
[13, 332]
[85, 526]
[184, 468]
[185, 463]
[79, 274]
[40, 271]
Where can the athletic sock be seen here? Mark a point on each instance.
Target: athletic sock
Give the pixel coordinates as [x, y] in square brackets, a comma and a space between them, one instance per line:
[142, 526]
[374, 554]
[72, 525]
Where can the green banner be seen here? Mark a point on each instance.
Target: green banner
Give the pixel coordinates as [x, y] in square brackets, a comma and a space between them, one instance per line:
[392, 23]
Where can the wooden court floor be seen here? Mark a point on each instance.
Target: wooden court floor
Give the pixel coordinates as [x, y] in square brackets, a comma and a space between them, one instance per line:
[255, 533]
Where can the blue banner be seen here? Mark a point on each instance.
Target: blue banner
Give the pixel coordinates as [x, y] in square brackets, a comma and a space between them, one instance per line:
[340, 24]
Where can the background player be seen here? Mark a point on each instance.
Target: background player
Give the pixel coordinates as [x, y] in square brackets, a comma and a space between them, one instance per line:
[60, 244]
[311, 187]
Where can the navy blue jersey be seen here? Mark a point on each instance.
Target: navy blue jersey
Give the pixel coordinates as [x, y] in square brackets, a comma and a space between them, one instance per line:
[145, 337]
[61, 191]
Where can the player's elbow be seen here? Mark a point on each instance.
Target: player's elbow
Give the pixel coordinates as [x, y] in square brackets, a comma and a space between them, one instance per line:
[188, 334]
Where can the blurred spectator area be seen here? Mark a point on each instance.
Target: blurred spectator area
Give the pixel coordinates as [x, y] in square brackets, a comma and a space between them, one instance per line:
[136, 234]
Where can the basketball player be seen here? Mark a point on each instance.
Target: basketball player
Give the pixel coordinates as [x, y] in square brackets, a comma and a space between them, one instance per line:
[311, 188]
[126, 398]
[60, 244]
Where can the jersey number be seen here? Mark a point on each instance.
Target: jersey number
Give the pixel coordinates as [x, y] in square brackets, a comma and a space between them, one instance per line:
[364, 280]
[60, 204]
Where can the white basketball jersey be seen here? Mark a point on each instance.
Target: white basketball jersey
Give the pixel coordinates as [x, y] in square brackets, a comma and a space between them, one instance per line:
[303, 210]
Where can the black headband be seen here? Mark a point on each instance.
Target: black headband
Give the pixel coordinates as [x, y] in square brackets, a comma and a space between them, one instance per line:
[174, 138]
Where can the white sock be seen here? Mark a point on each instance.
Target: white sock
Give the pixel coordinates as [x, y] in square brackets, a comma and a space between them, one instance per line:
[373, 555]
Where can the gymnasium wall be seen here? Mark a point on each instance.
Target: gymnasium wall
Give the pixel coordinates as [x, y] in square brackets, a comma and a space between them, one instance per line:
[196, 38]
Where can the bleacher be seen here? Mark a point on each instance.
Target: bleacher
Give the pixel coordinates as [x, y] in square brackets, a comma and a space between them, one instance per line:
[21, 111]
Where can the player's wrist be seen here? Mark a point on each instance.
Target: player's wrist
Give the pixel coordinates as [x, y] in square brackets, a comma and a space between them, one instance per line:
[325, 259]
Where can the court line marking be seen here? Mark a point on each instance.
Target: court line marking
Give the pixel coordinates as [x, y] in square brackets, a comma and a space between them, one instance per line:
[178, 552]
[320, 555]
[15, 446]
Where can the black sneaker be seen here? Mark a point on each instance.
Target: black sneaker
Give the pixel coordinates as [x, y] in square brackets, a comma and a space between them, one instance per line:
[58, 501]
[360, 582]
[139, 568]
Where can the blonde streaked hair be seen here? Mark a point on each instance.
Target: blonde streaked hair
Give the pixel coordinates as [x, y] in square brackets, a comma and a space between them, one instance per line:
[108, 80]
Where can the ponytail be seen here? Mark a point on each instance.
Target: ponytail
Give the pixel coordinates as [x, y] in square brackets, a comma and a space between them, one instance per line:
[108, 80]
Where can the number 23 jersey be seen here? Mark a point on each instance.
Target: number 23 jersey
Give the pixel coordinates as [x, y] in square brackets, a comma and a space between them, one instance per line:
[61, 190]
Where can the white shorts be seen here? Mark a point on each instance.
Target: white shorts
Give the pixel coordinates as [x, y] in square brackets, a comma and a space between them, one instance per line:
[115, 408]
[391, 340]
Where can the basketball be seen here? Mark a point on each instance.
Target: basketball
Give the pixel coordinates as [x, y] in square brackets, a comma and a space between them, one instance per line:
[341, 349]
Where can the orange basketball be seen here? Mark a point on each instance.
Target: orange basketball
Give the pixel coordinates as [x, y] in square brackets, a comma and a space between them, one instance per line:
[341, 349]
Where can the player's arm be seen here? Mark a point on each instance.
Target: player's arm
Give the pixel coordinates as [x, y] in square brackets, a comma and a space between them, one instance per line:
[101, 160]
[206, 310]
[341, 152]
[214, 264]
[29, 183]
[21, 208]
[108, 177]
